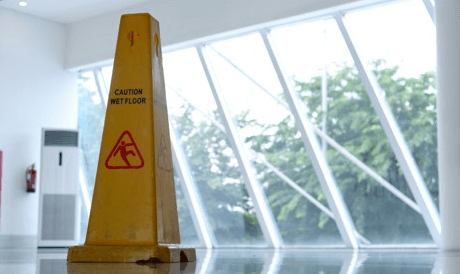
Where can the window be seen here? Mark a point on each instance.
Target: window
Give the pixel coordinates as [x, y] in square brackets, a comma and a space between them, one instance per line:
[325, 63]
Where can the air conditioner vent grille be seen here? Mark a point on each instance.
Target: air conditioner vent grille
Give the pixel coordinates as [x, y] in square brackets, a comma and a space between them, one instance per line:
[58, 219]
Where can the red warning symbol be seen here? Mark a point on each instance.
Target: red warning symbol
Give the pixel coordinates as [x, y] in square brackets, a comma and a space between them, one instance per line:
[125, 154]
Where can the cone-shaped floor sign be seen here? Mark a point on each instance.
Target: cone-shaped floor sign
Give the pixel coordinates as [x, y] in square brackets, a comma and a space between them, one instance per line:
[134, 214]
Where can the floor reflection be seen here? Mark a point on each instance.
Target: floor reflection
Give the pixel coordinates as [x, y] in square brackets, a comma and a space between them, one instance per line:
[125, 268]
[53, 261]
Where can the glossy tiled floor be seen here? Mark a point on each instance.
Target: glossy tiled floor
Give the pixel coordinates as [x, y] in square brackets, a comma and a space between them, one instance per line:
[52, 261]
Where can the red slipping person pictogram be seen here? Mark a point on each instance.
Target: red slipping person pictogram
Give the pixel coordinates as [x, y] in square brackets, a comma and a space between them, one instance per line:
[124, 154]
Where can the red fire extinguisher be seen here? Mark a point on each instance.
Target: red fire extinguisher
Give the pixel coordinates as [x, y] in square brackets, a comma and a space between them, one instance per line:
[31, 175]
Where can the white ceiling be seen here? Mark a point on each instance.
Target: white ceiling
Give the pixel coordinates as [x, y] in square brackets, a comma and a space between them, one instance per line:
[69, 11]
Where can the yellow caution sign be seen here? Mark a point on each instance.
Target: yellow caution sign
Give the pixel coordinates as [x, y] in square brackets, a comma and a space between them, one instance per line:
[134, 214]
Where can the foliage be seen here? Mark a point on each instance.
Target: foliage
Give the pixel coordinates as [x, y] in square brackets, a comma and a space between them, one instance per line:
[218, 178]
[352, 122]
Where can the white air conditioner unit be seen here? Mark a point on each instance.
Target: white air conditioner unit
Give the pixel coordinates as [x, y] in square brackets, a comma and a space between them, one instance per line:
[59, 217]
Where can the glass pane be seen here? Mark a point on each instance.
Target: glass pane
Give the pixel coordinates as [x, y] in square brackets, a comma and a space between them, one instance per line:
[379, 216]
[268, 128]
[399, 42]
[107, 75]
[83, 222]
[306, 49]
[249, 55]
[211, 160]
[188, 234]
[184, 74]
[91, 116]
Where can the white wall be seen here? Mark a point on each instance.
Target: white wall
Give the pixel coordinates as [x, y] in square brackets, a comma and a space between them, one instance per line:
[92, 41]
[35, 92]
